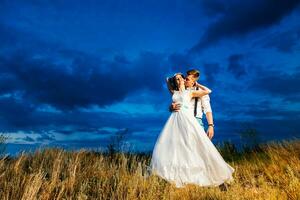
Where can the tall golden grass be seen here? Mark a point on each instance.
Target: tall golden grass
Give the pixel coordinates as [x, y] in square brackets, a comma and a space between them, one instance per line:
[271, 171]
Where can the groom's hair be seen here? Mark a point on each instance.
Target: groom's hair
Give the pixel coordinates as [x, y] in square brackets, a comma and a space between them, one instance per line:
[194, 72]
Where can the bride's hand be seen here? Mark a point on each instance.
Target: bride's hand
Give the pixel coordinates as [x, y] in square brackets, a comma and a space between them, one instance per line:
[167, 80]
[200, 93]
[203, 87]
[169, 85]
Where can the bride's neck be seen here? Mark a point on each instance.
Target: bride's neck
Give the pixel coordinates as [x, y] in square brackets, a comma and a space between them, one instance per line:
[181, 88]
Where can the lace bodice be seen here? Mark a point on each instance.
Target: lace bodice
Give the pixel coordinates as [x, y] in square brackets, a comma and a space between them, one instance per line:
[184, 98]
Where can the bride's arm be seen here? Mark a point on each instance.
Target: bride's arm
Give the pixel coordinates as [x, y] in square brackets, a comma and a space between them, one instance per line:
[202, 87]
[169, 86]
[200, 93]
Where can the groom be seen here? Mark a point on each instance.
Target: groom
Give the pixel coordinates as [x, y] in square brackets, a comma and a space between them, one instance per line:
[201, 105]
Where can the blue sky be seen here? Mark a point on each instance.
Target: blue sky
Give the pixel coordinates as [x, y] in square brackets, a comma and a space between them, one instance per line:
[74, 73]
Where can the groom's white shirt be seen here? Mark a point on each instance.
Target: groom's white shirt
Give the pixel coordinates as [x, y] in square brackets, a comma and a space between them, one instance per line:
[203, 104]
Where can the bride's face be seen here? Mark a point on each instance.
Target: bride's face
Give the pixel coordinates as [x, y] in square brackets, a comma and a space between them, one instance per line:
[179, 80]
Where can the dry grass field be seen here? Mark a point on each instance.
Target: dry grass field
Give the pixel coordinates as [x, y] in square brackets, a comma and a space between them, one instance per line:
[270, 171]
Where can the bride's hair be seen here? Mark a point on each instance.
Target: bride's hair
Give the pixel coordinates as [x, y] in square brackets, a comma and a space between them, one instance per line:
[172, 81]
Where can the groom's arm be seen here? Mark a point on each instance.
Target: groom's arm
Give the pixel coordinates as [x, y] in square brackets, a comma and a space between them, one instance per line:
[174, 107]
[205, 102]
[209, 118]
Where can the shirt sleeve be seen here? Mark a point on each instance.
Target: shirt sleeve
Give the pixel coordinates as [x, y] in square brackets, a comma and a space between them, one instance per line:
[205, 102]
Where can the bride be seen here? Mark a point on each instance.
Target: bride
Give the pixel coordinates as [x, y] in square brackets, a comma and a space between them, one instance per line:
[183, 153]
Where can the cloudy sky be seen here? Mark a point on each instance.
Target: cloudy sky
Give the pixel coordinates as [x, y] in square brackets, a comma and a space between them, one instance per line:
[75, 73]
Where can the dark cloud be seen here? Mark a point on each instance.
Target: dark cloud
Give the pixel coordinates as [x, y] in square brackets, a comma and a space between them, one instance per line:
[285, 42]
[43, 89]
[47, 73]
[180, 62]
[8, 82]
[12, 38]
[15, 113]
[83, 82]
[235, 65]
[239, 18]
[9, 36]
[211, 70]
[122, 59]
[278, 83]
[213, 7]
[17, 116]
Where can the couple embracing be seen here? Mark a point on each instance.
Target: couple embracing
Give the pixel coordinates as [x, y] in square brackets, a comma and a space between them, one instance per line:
[183, 153]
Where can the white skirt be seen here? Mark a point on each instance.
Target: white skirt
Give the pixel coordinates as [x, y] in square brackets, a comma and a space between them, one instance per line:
[184, 154]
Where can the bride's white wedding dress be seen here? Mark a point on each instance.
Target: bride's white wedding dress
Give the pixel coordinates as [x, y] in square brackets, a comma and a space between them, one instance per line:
[184, 154]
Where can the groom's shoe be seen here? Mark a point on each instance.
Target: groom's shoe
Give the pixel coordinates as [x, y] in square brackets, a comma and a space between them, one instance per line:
[223, 187]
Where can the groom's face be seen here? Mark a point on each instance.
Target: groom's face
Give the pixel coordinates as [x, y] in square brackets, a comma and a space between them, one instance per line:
[189, 81]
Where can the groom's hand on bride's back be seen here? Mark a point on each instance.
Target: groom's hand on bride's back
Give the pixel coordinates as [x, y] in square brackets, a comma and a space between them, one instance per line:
[174, 107]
